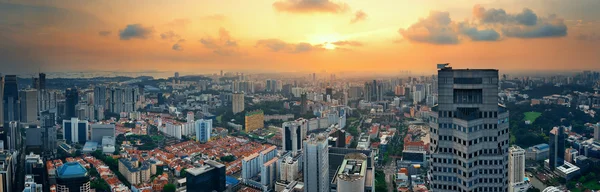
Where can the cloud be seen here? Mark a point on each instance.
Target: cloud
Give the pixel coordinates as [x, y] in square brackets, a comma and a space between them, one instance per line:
[177, 46]
[277, 45]
[308, 6]
[435, 29]
[359, 16]
[179, 23]
[525, 24]
[215, 17]
[104, 33]
[348, 43]
[476, 34]
[135, 31]
[225, 45]
[527, 17]
[551, 27]
[169, 35]
[588, 37]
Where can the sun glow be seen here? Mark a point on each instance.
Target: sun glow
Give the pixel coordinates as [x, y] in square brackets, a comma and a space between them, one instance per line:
[326, 40]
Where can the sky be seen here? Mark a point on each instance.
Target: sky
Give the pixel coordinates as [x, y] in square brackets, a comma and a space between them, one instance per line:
[205, 36]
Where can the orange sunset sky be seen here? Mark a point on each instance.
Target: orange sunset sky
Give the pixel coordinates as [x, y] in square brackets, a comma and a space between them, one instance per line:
[205, 36]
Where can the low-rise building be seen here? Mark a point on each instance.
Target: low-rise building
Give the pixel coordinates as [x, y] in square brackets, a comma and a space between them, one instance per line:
[134, 171]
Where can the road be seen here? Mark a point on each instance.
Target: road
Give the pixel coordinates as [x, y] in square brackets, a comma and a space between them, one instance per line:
[390, 172]
[536, 182]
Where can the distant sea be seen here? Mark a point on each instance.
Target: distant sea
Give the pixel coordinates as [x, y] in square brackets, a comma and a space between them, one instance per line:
[93, 74]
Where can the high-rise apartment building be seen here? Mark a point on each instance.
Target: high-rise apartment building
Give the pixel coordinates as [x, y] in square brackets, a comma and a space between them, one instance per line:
[100, 97]
[557, 147]
[203, 130]
[7, 170]
[516, 169]
[469, 133]
[303, 103]
[237, 102]
[29, 105]
[254, 120]
[316, 163]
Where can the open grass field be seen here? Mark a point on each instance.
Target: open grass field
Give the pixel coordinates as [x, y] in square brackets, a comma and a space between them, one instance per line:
[532, 116]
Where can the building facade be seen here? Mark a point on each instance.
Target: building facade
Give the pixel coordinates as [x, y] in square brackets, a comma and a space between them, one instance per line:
[316, 163]
[203, 130]
[75, 130]
[469, 133]
[557, 147]
[516, 169]
[254, 120]
[210, 177]
[237, 102]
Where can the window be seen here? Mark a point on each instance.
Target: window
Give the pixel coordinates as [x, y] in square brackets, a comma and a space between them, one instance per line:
[467, 80]
[468, 96]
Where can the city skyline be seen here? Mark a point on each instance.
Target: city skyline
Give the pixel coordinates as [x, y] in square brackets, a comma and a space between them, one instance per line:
[298, 36]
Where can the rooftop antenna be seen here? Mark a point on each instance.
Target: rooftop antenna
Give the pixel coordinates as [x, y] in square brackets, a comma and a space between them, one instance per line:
[442, 65]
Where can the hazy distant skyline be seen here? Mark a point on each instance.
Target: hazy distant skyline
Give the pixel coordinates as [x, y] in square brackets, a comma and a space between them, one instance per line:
[298, 35]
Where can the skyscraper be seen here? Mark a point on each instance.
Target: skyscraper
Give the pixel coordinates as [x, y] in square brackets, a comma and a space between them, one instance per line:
[29, 105]
[203, 129]
[42, 81]
[516, 168]
[292, 137]
[11, 99]
[100, 97]
[316, 163]
[237, 102]
[71, 99]
[75, 130]
[7, 170]
[469, 133]
[2, 102]
[303, 103]
[557, 147]
[352, 173]
[597, 132]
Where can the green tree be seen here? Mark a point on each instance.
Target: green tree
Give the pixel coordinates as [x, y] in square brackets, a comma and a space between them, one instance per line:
[582, 179]
[169, 188]
[571, 185]
[183, 172]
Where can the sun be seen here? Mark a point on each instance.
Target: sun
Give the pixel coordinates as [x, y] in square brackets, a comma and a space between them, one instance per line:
[326, 40]
[329, 46]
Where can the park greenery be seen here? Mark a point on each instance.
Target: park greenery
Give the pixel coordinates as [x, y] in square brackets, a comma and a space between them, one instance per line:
[146, 142]
[380, 184]
[545, 118]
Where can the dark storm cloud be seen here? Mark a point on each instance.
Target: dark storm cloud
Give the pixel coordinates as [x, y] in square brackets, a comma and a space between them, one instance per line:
[309, 6]
[135, 31]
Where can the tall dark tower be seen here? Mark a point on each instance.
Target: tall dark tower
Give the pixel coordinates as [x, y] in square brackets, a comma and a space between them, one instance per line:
[10, 99]
[71, 99]
[557, 147]
[303, 103]
[42, 81]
